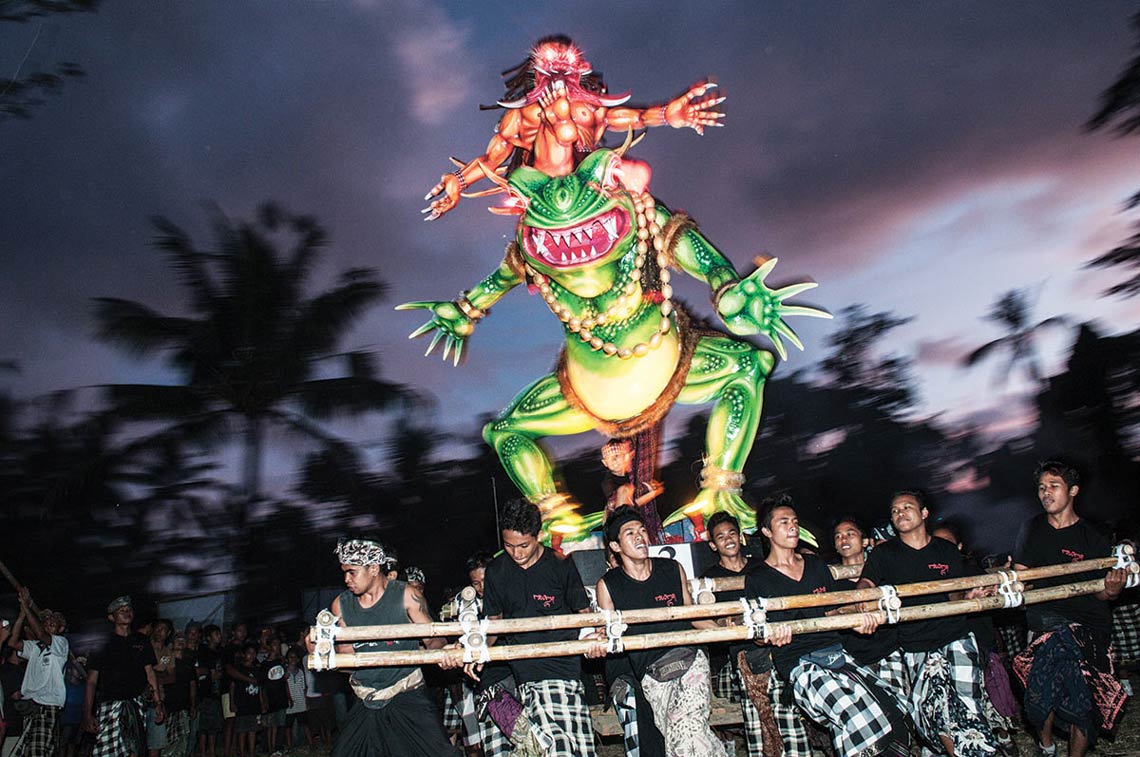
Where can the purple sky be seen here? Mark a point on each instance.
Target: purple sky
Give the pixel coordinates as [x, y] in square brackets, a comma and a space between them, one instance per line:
[917, 157]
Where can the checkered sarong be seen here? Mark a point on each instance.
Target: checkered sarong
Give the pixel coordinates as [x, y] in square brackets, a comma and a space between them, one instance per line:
[753, 728]
[892, 671]
[842, 701]
[38, 738]
[120, 728]
[947, 698]
[472, 733]
[494, 742]
[624, 698]
[177, 734]
[451, 719]
[1013, 634]
[788, 720]
[1126, 633]
[559, 717]
[724, 684]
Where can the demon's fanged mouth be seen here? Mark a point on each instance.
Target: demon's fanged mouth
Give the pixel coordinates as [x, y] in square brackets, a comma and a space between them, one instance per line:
[576, 245]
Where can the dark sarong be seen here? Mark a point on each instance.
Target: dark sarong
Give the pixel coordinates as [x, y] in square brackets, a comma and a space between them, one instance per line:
[1069, 672]
[408, 724]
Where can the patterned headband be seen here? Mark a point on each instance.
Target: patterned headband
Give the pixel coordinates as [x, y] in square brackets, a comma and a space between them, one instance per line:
[360, 552]
[416, 574]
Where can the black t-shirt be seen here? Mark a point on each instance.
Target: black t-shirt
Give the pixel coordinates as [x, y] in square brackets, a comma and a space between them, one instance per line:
[246, 696]
[211, 660]
[1040, 544]
[122, 667]
[895, 563]
[177, 694]
[719, 571]
[868, 650]
[551, 586]
[767, 582]
[663, 588]
[272, 678]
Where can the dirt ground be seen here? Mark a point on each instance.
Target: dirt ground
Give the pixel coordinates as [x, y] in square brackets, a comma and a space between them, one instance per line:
[1124, 743]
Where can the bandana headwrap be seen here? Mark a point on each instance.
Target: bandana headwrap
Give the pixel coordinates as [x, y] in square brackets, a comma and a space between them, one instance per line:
[620, 517]
[117, 602]
[416, 574]
[360, 552]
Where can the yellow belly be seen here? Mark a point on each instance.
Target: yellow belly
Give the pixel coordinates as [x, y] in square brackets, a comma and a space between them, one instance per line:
[629, 386]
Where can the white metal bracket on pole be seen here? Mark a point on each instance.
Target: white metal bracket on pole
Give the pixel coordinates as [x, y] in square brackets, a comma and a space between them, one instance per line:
[324, 638]
[1126, 561]
[615, 627]
[702, 591]
[1010, 589]
[474, 639]
[890, 603]
[755, 617]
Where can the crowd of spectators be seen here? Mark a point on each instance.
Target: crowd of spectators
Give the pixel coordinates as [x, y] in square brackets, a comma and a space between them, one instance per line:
[200, 690]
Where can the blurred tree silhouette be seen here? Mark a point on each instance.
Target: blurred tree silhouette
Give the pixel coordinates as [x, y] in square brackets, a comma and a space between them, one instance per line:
[23, 93]
[1120, 109]
[1013, 311]
[255, 348]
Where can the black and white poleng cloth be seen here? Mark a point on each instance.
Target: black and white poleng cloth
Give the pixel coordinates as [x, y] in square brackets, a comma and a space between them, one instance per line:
[860, 713]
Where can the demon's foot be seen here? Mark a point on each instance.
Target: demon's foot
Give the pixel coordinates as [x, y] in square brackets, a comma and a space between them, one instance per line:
[562, 522]
[709, 501]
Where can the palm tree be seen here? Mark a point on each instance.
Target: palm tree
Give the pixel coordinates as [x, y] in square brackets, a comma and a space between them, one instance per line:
[1013, 311]
[1120, 106]
[255, 347]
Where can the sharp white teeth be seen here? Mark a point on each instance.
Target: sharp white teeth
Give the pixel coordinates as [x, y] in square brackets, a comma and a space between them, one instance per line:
[564, 257]
[593, 252]
[609, 223]
[575, 237]
[586, 233]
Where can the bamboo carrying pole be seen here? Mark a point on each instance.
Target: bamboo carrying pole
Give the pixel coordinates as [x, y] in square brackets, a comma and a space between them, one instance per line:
[709, 636]
[702, 612]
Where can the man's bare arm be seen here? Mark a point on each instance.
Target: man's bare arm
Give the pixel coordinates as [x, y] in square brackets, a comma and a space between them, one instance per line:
[417, 609]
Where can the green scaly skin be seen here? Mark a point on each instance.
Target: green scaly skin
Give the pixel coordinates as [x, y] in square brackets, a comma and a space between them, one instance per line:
[727, 372]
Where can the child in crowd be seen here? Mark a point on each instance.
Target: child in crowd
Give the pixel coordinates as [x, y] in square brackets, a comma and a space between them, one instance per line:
[248, 700]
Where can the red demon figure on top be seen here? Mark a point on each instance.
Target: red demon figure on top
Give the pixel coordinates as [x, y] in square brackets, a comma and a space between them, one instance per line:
[557, 111]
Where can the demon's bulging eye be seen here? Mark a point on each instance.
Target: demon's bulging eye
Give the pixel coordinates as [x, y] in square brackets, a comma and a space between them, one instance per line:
[610, 173]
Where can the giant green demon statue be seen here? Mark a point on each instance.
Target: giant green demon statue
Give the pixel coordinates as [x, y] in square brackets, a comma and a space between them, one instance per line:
[601, 256]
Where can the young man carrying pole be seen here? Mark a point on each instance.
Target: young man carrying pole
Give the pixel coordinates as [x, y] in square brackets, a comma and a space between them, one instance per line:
[531, 581]
[861, 713]
[394, 716]
[942, 660]
[767, 719]
[675, 680]
[1067, 671]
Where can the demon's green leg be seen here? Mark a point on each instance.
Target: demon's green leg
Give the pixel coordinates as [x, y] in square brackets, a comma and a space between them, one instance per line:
[539, 410]
[731, 373]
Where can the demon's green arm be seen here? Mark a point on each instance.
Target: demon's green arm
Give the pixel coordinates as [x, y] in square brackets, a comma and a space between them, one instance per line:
[747, 306]
[454, 321]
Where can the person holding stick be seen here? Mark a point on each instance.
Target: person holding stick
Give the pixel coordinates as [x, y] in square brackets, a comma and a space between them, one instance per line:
[394, 715]
[531, 581]
[880, 651]
[767, 719]
[861, 714]
[942, 659]
[1067, 671]
[43, 686]
[675, 680]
